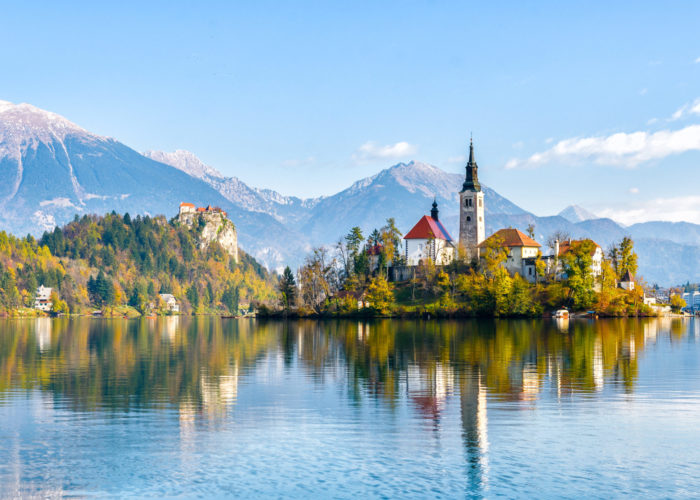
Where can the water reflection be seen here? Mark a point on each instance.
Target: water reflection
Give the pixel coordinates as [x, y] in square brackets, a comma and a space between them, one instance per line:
[198, 362]
[441, 372]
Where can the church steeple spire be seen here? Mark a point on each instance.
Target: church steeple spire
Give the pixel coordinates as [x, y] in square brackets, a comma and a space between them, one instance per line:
[434, 211]
[471, 182]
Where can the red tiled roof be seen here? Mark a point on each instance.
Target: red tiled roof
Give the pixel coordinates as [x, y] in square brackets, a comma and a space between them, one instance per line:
[512, 238]
[184, 204]
[565, 246]
[374, 250]
[428, 228]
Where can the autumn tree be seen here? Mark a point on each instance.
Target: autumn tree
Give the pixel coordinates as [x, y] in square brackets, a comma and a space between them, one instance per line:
[580, 280]
[379, 294]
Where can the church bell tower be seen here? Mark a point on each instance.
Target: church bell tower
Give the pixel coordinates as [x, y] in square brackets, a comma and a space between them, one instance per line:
[471, 210]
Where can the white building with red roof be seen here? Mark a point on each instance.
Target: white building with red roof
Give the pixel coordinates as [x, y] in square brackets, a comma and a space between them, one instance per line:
[429, 240]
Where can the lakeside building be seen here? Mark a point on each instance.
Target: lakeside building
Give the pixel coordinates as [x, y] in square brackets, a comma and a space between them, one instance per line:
[692, 301]
[170, 302]
[429, 239]
[561, 248]
[627, 281]
[522, 251]
[42, 299]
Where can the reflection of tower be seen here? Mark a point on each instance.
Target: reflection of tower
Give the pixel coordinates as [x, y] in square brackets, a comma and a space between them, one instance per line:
[474, 427]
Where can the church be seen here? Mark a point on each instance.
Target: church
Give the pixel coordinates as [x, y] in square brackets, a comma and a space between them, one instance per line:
[429, 240]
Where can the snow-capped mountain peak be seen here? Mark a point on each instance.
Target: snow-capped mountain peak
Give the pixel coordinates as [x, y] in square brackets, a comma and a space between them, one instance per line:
[186, 161]
[23, 126]
[575, 213]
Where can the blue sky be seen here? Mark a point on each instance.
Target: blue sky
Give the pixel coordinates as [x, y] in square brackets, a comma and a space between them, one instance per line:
[306, 97]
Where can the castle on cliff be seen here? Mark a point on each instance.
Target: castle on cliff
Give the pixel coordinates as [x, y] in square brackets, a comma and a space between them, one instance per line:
[216, 226]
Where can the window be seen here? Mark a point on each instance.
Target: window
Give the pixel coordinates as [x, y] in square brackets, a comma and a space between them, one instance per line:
[468, 218]
[468, 202]
[481, 202]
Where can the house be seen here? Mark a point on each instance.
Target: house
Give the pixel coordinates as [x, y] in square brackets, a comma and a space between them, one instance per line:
[627, 281]
[561, 248]
[429, 240]
[522, 251]
[170, 302]
[42, 299]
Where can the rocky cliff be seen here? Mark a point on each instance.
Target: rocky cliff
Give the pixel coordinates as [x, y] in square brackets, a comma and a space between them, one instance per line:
[213, 226]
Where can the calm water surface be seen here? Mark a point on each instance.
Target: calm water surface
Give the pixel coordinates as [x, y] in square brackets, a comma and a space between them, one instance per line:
[208, 407]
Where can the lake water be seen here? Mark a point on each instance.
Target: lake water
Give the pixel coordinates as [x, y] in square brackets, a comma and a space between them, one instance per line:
[342, 409]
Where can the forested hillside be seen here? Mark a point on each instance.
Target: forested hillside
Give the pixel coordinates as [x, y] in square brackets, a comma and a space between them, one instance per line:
[114, 260]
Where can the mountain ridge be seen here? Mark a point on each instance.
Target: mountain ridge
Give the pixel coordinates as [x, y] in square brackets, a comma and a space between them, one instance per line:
[51, 169]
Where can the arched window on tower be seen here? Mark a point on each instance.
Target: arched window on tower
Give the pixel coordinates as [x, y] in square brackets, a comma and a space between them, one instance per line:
[468, 218]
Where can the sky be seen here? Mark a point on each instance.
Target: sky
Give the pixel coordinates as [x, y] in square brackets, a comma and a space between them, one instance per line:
[588, 103]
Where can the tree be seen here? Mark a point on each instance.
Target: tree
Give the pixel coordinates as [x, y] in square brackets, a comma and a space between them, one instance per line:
[58, 305]
[288, 288]
[580, 279]
[677, 303]
[230, 299]
[391, 241]
[494, 254]
[531, 230]
[627, 258]
[379, 294]
[193, 296]
[317, 279]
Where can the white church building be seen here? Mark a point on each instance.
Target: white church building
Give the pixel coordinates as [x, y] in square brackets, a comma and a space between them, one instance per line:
[429, 240]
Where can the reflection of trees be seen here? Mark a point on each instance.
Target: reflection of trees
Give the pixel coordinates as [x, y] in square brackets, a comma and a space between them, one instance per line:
[119, 364]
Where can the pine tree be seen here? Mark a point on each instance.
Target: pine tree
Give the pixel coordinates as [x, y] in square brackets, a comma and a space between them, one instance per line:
[288, 288]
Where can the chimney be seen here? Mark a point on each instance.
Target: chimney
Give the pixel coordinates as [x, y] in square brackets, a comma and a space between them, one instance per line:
[556, 248]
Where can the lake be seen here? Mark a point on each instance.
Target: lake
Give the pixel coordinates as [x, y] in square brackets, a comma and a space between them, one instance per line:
[190, 407]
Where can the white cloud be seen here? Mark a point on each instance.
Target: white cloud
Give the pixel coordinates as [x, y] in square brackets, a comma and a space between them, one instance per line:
[685, 110]
[518, 145]
[372, 151]
[643, 91]
[652, 121]
[622, 149]
[678, 209]
[633, 190]
[697, 61]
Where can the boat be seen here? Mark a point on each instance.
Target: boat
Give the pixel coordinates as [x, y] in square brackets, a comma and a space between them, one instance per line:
[562, 314]
[229, 317]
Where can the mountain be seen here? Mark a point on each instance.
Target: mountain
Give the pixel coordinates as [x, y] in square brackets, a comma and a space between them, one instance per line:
[405, 192]
[575, 213]
[51, 169]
